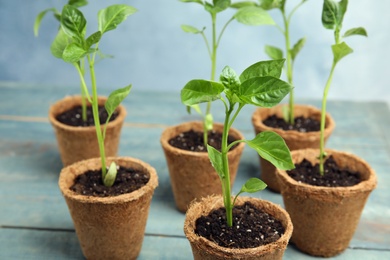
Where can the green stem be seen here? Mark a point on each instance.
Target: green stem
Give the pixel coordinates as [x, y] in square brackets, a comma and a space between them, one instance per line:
[83, 94]
[95, 110]
[323, 117]
[82, 83]
[289, 68]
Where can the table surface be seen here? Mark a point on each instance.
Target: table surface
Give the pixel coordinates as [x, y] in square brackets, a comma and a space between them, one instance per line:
[35, 222]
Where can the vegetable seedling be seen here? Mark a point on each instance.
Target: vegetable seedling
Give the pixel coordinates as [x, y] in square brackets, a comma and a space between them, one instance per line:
[257, 85]
[72, 46]
[332, 18]
[291, 53]
[57, 16]
[249, 15]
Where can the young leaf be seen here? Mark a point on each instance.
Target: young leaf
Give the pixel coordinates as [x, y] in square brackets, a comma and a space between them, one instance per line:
[39, 18]
[216, 160]
[272, 148]
[199, 90]
[192, 1]
[253, 185]
[330, 12]
[356, 31]
[73, 53]
[340, 51]
[242, 4]
[115, 98]
[263, 91]
[297, 47]
[253, 15]
[73, 22]
[190, 29]
[93, 39]
[110, 177]
[271, 4]
[109, 18]
[230, 80]
[209, 122]
[218, 6]
[78, 3]
[271, 68]
[342, 10]
[59, 44]
[273, 52]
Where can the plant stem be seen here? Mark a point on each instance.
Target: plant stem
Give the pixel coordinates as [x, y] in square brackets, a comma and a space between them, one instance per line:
[323, 117]
[227, 200]
[289, 67]
[83, 94]
[95, 110]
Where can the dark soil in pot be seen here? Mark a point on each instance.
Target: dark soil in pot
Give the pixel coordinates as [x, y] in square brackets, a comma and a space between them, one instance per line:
[334, 176]
[73, 117]
[251, 227]
[193, 141]
[127, 180]
[301, 124]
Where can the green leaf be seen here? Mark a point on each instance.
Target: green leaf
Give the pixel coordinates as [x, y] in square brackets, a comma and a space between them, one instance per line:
[343, 4]
[253, 185]
[73, 22]
[340, 51]
[216, 160]
[39, 18]
[271, 4]
[78, 3]
[115, 98]
[109, 18]
[330, 12]
[59, 44]
[209, 120]
[220, 5]
[252, 15]
[196, 108]
[199, 90]
[93, 39]
[274, 53]
[297, 47]
[110, 177]
[263, 91]
[356, 31]
[73, 53]
[272, 148]
[271, 68]
[190, 29]
[238, 5]
[230, 80]
[192, 1]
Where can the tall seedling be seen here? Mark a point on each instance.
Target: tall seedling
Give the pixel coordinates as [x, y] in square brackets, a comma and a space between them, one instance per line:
[57, 16]
[249, 15]
[332, 18]
[290, 53]
[72, 46]
[257, 85]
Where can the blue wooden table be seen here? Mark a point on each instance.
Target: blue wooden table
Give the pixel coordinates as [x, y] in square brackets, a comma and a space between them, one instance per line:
[34, 219]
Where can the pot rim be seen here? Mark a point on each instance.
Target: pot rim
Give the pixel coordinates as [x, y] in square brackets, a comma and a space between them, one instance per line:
[167, 134]
[69, 173]
[77, 99]
[214, 202]
[365, 185]
[258, 122]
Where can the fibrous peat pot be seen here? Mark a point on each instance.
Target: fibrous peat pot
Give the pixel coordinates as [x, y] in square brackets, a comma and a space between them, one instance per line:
[294, 139]
[191, 173]
[109, 227]
[325, 218]
[80, 143]
[204, 249]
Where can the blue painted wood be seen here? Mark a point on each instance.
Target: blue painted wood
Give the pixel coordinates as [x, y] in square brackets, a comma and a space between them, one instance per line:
[29, 196]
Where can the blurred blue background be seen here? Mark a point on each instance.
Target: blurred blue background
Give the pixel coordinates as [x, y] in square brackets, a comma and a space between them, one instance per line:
[152, 52]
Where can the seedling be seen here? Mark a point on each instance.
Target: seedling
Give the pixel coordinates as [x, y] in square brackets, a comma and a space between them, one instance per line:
[291, 53]
[57, 16]
[257, 85]
[249, 15]
[72, 46]
[332, 18]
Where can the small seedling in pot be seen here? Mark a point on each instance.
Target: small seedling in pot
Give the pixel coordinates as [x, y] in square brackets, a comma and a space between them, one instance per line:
[249, 15]
[332, 18]
[72, 46]
[257, 85]
[290, 53]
